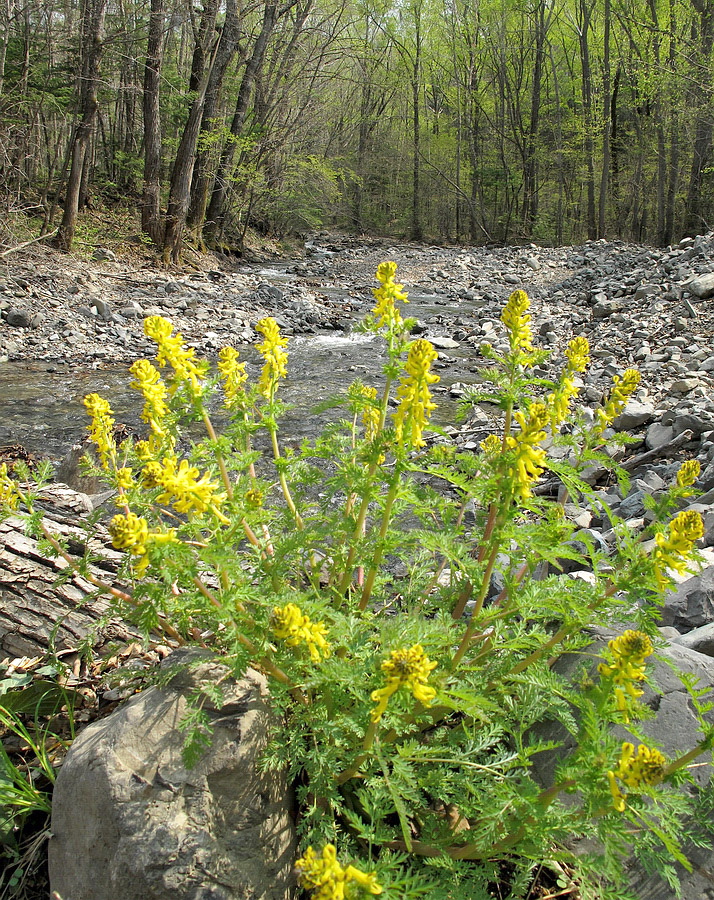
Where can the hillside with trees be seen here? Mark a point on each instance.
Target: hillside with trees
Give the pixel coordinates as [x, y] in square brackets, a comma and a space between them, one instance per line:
[447, 120]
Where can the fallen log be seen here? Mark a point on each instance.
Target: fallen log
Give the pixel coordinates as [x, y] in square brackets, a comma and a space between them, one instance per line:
[43, 606]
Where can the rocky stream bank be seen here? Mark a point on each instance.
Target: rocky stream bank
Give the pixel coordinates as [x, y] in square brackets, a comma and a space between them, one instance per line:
[639, 307]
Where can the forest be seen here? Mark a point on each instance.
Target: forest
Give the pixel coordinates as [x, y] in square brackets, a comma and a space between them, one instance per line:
[480, 121]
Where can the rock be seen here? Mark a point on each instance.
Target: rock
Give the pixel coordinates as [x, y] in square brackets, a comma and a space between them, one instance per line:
[605, 308]
[684, 385]
[130, 820]
[702, 287]
[695, 423]
[658, 435]
[634, 415]
[17, 317]
[692, 603]
[104, 309]
[101, 254]
[444, 343]
[700, 639]
[646, 290]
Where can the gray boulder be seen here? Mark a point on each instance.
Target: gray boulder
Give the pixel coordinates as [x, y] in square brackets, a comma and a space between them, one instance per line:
[130, 820]
[691, 605]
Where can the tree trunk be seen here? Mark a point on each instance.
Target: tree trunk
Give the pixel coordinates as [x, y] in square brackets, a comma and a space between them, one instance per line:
[695, 217]
[215, 215]
[151, 197]
[585, 16]
[180, 186]
[92, 28]
[227, 46]
[606, 123]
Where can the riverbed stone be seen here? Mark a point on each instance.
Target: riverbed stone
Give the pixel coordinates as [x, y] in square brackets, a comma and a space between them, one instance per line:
[131, 820]
[691, 604]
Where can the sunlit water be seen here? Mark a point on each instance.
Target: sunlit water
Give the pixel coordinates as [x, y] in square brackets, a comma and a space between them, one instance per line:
[41, 402]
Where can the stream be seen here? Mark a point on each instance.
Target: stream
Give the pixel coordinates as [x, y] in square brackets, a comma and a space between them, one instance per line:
[41, 402]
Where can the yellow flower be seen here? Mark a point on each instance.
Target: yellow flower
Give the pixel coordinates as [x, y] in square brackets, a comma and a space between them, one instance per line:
[101, 427]
[688, 474]
[517, 322]
[273, 352]
[415, 404]
[291, 626]
[621, 391]
[254, 498]
[131, 533]
[643, 769]
[148, 380]
[409, 668]
[125, 478]
[171, 351]
[182, 486]
[9, 497]
[234, 377]
[674, 546]
[362, 398]
[326, 878]
[578, 356]
[491, 445]
[628, 652]
[387, 295]
[530, 458]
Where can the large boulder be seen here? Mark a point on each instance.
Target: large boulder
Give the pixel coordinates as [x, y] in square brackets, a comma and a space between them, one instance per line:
[130, 820]
[691, 605]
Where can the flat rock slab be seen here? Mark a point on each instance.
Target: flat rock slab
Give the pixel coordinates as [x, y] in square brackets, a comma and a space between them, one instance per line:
[131, 821]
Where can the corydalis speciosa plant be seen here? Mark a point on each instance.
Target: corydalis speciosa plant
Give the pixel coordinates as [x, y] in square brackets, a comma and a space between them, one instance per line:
[357, 573]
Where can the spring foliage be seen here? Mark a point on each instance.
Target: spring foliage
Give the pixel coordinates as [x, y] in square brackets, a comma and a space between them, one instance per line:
[416, 710]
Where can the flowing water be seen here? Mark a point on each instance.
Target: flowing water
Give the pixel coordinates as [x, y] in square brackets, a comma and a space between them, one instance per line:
[41, 402]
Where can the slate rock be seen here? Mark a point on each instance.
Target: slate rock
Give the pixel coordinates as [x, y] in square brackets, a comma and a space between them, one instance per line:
[699, 639]
[692, 603]
[634, 415]
[17, 317]
[703, 286]
[130, 820]
[658, 435]
[444, 343]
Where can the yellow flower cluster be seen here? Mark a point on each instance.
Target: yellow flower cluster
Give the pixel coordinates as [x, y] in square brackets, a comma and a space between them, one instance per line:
[491, 445]
[131, 533]
[530, 457]
[408, 668]
[675, 545]
[171, 351]
[9, 498]
[291, 626]
[390, 293]
[148, 380]
[578, 356]
[688, 474]
[234, 377]
[327, 879]
[101, 427]
[517, 322]
[628, 652]
[182, 485]
[645, 768]
[273, 352]
[621, 391]
[415, 404]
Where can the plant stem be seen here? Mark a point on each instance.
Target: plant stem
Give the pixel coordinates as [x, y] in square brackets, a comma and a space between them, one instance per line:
[366, 747]
[281, 475]
[379, 550]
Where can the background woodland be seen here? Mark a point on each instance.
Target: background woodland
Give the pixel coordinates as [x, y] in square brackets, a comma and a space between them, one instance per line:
[447, 120]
